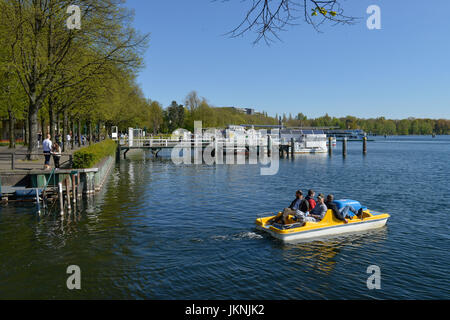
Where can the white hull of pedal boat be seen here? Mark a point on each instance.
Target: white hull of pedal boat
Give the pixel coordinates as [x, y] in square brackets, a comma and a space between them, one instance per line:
[329, 226]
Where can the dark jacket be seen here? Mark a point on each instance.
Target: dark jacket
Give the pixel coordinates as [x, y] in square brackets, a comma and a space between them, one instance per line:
[331, 205]
[304, 205]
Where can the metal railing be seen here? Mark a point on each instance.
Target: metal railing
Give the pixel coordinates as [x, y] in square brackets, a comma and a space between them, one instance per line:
[170, 143]
[12, 158]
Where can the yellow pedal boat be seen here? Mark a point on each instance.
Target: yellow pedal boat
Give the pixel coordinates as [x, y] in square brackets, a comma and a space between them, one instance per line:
[329, 226]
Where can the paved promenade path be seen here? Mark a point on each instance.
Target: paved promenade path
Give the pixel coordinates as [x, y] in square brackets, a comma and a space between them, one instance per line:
[20, 162]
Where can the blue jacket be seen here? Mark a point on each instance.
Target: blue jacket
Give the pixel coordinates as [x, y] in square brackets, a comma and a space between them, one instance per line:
[331, 205]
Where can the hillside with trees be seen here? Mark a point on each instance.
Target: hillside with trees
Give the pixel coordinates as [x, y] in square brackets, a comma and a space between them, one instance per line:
[379, 126]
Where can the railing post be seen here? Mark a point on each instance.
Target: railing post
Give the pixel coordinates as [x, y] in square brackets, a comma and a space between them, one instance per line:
[12, 160]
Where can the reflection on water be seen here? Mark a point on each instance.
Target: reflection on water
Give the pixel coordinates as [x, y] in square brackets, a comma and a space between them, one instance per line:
[320, 254]
[160, 231]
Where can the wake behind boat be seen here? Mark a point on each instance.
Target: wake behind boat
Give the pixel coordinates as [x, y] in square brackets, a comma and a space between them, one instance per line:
[328, 226]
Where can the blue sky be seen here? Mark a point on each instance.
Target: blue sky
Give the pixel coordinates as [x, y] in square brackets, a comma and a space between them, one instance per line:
[400, 71]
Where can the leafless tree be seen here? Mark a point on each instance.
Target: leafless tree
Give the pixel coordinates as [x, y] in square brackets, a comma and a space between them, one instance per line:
[192, 101]
[267, 18]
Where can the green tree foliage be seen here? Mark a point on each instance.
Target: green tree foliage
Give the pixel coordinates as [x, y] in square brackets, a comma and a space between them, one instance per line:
[379, 126]
[47, 57]
[175, 116]
[12, 101]
[156, 117]
[221, 117]
[213, 117]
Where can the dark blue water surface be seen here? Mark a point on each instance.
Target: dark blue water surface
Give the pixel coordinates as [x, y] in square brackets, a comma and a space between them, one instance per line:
[160, 231]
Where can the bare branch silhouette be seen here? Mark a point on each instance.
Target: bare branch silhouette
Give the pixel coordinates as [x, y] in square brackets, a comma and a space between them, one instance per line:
[267, 18]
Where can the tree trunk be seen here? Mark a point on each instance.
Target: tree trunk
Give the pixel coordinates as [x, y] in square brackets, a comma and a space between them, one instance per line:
[79, 132]
[58, 125]
[108, 130]
[32, 132]
[43, 129]
[72, 131]
[26, 124]
[90, 131]
[51, 116]
[65, 131]
[12, 133]
[107, 134]
[99, 131]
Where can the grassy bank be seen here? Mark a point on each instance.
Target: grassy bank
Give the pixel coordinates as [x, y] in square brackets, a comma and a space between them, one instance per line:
[88, 157]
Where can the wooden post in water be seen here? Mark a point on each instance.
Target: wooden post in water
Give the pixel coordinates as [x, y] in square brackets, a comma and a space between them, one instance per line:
[61, 200]
[37, 201]
[74, 187]
[118, 151]
[269, 146]
[330, 146]
[44, 199]
[79, 191]
[344, 147]
[67, 183]
[292, 147]
[365, 145]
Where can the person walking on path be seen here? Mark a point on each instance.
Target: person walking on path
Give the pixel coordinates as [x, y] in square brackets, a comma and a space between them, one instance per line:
[56, 152]
[47, 145]
[39, 139]
[68, 140]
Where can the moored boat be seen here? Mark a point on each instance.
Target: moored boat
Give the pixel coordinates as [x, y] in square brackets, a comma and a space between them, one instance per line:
[329, 226]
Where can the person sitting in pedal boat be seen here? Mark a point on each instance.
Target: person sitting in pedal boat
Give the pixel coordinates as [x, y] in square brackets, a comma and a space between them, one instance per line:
[316, 214]
[299, 205]
[310, 199]
[343, 213]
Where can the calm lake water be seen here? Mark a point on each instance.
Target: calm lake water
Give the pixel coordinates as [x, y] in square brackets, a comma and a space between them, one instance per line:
[160, 231]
